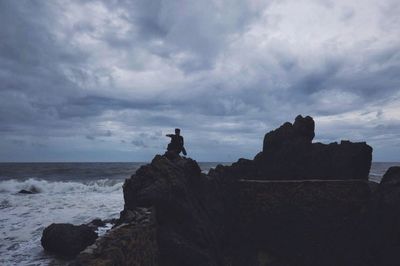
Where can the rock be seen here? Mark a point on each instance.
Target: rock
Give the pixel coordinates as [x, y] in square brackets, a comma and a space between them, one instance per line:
[23, 191]
[132, 243]
[188, 223]
[288, 154]
[302, 131]
[31, 190]
[308, 222]
[295, 203]
[391, 178]
[95, 223]
[384, 227]
[67, 240]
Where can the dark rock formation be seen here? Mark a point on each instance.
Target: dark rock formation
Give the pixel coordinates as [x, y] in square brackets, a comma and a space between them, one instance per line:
[24, 191]
[296, 203]
[131, 243]
[301, 132]
[197, 214]
[310, 222]
[31, 190]
[288, 154]
[183, 198]
[66, 239]
[384, 221]
[390, 180]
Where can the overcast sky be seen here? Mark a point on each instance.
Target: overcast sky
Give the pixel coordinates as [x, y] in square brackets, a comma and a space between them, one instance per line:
[106, 80]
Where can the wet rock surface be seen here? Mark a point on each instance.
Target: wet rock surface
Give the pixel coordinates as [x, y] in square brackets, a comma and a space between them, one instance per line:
[67, 240]
[28, 191]
[132, 242]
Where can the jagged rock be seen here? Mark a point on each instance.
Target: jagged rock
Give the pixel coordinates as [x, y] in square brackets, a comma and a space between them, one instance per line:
[302, 131]
[384, 220]
[391, 178]
[187, 232]
[95, 223]
[66, 239]
[288, 154]
[130, 243]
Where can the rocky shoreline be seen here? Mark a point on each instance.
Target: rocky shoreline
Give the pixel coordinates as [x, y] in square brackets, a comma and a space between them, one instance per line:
[296, 203]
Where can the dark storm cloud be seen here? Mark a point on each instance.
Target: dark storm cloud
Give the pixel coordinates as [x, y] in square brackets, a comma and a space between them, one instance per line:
[139, 143]
[80, 74]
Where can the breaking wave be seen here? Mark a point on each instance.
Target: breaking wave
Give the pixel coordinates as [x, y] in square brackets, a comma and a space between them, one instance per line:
[45, 186]
[24, 216]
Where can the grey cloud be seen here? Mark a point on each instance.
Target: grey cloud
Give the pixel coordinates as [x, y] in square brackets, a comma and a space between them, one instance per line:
[90, 137]
[207, 67]
[139, 143]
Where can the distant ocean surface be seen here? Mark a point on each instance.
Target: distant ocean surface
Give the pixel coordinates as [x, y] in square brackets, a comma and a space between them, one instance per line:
[68, 193]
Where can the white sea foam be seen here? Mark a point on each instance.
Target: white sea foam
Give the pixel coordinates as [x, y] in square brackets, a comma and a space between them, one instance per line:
[24, 216]
[44, 186]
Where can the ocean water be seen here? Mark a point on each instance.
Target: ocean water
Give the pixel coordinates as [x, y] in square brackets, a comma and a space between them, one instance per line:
[68, 193]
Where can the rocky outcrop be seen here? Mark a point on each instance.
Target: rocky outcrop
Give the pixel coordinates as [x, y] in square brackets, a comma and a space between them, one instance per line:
[196, 214]
[289, 154]
[132, 242]
[299, 133]
[66, 239]
[295, 203]
[383, 221]
[188, 213]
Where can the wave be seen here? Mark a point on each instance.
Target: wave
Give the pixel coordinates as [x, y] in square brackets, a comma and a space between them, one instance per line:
[45, 186]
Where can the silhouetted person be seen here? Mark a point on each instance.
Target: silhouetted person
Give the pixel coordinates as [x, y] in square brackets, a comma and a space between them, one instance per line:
[176, 144]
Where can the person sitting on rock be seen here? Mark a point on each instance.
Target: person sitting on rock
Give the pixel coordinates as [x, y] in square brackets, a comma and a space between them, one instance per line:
[176, 144]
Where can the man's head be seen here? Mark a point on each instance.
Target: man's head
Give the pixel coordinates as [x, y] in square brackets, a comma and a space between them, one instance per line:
[177, 131]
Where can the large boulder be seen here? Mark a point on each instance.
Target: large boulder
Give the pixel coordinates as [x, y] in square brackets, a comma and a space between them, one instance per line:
[302, 131]
[67, 240]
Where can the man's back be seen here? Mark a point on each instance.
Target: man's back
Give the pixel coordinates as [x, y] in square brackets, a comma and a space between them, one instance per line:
[176, 144]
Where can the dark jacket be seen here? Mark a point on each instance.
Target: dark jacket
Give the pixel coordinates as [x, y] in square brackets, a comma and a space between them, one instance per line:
[176, 143]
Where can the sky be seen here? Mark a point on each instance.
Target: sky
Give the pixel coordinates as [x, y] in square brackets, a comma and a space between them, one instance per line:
[106, 80]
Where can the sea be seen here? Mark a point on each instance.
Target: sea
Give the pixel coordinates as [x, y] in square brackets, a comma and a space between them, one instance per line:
[67, 193]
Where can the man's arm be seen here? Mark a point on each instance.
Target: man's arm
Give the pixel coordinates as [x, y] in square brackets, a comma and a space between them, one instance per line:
[169, 135]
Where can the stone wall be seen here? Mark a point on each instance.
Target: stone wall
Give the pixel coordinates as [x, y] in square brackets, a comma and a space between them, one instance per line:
[259, 199]
[291, 218]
